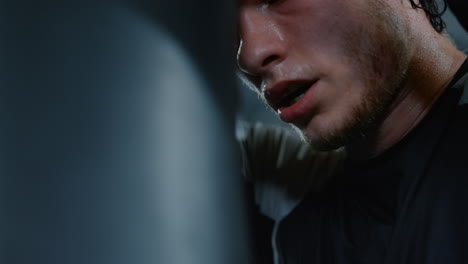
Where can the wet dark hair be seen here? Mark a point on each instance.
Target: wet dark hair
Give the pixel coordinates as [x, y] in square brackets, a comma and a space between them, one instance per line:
[434, 14]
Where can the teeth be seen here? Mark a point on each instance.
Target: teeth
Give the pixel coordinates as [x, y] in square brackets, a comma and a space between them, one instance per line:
[298, 98]
[295, 99]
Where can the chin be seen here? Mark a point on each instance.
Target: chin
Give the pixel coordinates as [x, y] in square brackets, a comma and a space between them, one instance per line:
[324, 140]
[332, 132]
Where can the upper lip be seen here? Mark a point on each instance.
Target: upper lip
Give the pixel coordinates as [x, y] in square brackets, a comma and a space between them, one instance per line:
[281, 93]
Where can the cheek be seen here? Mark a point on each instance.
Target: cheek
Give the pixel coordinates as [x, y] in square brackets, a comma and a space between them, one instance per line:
[330, 23]
[333, 50]
[341, 97]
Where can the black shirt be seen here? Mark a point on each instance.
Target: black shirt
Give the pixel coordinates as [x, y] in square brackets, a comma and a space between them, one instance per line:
[408, 205]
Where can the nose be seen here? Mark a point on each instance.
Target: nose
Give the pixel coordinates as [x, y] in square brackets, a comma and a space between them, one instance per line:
[261, 45]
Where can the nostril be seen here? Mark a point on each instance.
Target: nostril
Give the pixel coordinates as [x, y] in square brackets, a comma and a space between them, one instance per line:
[269, 60]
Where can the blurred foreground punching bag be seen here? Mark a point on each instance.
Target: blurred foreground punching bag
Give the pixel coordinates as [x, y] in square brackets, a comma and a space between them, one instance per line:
[117, 141]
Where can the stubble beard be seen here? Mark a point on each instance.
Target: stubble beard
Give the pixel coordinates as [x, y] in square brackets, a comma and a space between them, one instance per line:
[382, 87]
[363, 121]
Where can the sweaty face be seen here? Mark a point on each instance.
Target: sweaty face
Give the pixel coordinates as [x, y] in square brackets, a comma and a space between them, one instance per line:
[329, 67]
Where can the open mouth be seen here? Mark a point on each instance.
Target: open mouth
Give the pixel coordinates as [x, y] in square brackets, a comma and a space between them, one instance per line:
[296, 92]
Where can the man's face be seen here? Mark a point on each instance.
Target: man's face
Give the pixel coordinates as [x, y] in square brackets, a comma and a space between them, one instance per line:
[330, 67]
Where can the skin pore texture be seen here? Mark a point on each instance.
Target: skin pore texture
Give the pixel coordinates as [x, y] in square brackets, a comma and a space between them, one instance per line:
[378, 67]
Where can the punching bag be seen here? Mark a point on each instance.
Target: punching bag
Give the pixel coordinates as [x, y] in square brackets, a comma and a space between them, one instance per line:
[117, 133]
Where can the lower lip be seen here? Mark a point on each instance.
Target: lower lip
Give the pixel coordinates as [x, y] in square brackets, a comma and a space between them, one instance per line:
[300, 110]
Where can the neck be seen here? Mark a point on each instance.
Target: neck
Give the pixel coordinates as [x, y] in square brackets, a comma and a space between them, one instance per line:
[435, 62]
